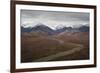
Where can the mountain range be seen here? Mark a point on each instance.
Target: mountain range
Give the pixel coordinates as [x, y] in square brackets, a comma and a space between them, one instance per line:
[50, 31]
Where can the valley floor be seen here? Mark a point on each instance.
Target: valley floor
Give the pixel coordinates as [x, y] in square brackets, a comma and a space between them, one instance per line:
[69, 46]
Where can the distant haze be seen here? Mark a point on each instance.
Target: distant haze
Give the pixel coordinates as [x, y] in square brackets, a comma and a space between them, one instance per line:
[53, 19]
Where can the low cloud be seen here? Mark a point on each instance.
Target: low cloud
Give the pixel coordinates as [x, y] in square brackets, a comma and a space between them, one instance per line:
[30, 18]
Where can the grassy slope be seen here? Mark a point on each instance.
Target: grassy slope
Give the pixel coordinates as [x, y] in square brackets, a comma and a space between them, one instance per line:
[79, 38]
[35, 46]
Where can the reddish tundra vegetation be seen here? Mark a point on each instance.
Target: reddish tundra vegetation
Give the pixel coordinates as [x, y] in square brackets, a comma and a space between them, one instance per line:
[39, 47]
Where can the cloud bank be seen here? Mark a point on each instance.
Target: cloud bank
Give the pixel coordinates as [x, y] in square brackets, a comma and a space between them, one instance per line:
[53, 19]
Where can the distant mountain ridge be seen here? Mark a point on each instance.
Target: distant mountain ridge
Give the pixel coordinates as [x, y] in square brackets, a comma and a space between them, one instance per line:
[50, 31]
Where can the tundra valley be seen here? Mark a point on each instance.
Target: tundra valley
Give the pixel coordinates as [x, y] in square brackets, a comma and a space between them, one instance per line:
[42, 43]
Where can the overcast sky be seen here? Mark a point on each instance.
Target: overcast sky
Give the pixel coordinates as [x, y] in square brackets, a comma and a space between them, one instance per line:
[53, 19]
